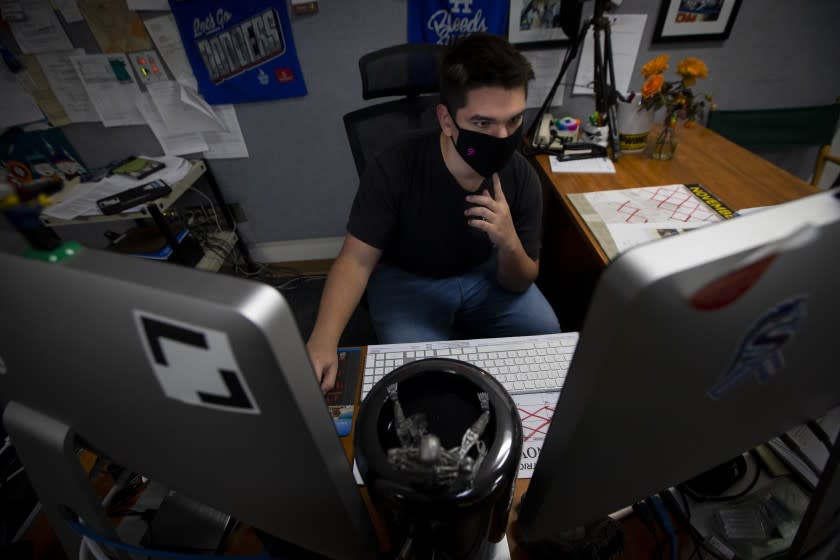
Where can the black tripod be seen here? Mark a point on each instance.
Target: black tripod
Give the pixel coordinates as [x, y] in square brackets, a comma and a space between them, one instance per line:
[606, 97]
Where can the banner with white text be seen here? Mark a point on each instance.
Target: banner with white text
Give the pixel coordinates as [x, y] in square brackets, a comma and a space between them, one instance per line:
[443, 21]
[240, 51]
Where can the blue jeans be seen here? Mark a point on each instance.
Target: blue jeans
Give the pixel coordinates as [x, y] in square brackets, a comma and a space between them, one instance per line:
[406, 307]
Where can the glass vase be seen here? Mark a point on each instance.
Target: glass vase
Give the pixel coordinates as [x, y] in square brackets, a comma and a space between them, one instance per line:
[666, 143]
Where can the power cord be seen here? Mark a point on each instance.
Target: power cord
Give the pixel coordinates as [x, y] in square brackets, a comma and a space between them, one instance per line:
[655, 503]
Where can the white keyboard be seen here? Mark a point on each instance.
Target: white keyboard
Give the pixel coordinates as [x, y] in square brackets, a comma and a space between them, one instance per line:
[522, 364]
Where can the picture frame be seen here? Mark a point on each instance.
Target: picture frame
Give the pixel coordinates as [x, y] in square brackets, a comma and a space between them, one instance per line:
[695, 20]
[542, 25]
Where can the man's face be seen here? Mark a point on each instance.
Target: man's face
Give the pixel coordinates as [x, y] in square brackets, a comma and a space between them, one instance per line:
[491, 110]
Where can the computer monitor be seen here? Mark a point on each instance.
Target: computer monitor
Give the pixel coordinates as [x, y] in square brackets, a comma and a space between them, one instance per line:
[198, 381]
[694, 349]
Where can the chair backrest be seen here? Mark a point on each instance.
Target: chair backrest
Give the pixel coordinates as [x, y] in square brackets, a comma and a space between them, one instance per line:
[799, 126]
[372, 129]
[408, 70]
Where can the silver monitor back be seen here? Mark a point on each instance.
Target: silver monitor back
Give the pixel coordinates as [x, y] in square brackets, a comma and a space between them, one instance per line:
[199, 381]
[695, 348]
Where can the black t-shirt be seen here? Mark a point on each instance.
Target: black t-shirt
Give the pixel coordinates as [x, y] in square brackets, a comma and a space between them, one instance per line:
[410, 206]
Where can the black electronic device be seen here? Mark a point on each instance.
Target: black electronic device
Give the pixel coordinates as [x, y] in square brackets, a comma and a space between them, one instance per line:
[116, 203]
[580, 150]
[719, 479]
[136, 167]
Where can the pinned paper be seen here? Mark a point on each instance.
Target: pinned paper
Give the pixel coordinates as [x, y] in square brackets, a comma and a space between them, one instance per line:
[164, 33]
[69, 10]
[226, 144]
[182, 111]
[625, 36]
[43, 93]
[66, 85]
[41, 31]
[173, 142]
[148, 5]
[148, 66]
[546, 65]
[108, 81]
[116, 28]
[18, 105]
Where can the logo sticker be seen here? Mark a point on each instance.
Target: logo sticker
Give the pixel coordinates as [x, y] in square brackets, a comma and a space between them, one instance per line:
[194, 365]
[760, 352]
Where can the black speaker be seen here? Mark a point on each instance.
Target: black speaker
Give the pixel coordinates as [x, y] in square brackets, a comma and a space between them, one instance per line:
[411, 432]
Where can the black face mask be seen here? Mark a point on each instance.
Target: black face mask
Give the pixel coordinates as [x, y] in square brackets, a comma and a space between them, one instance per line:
[486, 154]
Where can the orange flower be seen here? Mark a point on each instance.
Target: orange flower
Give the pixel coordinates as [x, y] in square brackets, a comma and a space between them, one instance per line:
[652, 85]
[656, 66]
[691, 68]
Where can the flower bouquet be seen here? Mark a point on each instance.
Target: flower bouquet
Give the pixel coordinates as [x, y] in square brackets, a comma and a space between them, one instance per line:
[676, 97]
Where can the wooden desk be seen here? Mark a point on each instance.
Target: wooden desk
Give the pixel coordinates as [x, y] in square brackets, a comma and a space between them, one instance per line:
[572, 259]
[740, 178]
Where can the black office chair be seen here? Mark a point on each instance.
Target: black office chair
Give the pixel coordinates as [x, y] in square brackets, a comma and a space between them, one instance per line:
[409, 71]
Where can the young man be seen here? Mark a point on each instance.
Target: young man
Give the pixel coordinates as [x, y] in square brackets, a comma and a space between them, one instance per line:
[445, 227]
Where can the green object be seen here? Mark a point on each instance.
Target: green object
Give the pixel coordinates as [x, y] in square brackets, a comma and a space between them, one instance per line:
[137, 168]
[62, 252]
[800, 126]
[120, 71]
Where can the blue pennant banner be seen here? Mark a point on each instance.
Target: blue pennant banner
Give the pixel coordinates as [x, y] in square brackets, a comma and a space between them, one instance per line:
[240, 51]
[443, 21]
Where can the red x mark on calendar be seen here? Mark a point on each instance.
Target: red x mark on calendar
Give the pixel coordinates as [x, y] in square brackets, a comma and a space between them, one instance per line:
[535, 422]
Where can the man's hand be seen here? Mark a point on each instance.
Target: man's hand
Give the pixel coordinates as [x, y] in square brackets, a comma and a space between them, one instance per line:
[517, 271]
[494, 217]
[325, 363]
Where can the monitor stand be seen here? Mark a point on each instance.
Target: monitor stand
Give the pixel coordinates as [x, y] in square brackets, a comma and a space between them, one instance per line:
[47, 449]
[821, 523]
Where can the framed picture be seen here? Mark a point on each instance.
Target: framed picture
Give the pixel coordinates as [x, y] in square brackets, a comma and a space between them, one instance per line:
[541, 24]
[695, 20]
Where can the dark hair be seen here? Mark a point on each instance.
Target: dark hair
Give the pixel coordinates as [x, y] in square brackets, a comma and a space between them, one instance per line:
[480, 60]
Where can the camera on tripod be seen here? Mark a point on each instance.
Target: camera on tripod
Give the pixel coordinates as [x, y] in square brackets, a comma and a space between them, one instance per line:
[606, 97]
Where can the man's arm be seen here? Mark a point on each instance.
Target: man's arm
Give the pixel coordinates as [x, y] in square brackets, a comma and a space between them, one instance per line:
[345, 285]
[517, 271]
